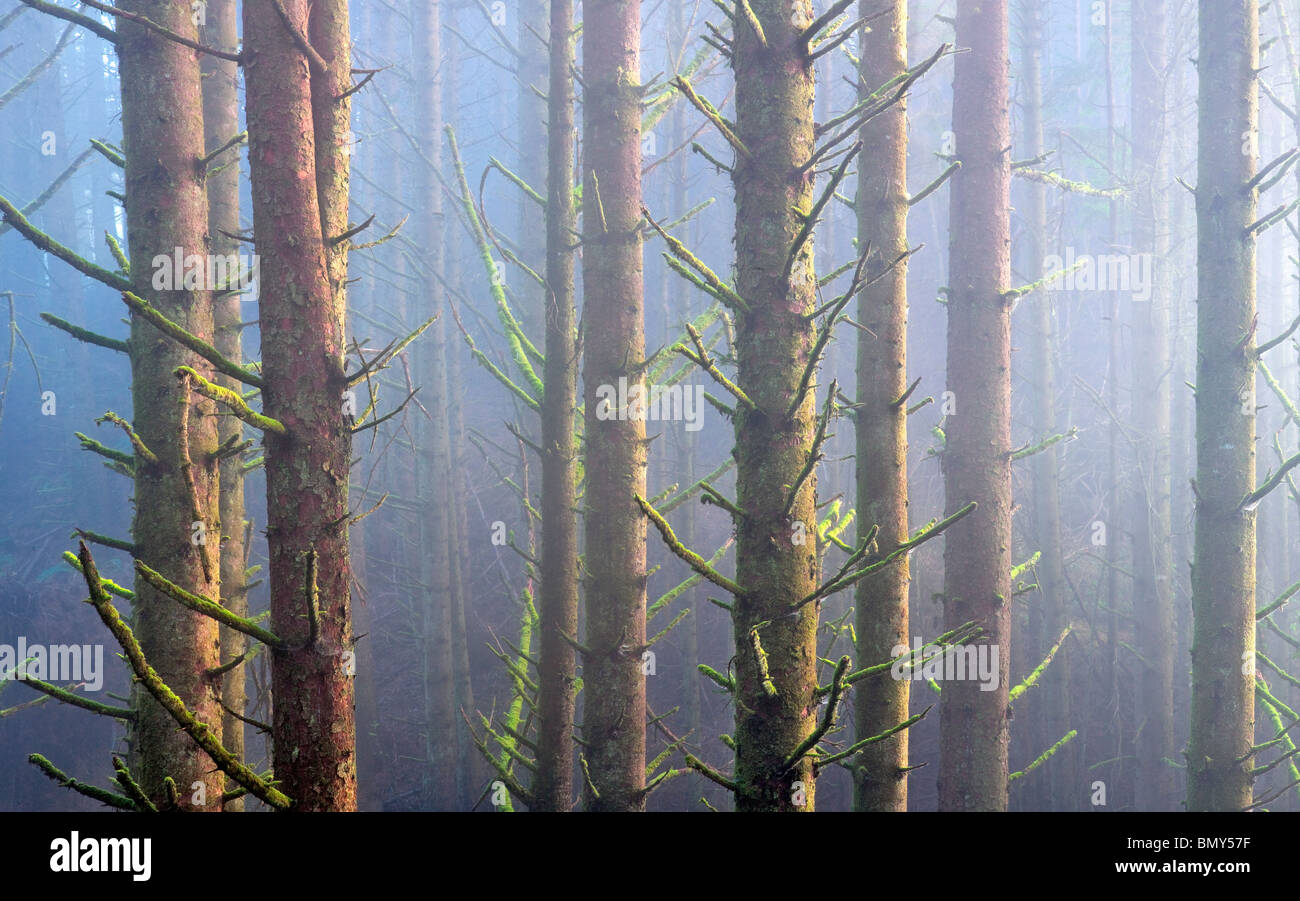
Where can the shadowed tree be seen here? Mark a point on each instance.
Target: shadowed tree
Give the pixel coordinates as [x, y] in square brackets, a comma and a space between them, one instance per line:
[173, 432]
[1223, 569]
[220, 29]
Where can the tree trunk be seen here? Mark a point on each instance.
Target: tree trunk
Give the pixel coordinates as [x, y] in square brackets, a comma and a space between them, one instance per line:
[299, 187]
[176, 525]
[220, 124]
[977, 458]
[534, 35]
[1223, 575]
[881, 423]
[1047, 615]
[1152, 382]
[434, 450]
[557, 671]
[776, 557]
[614, 340]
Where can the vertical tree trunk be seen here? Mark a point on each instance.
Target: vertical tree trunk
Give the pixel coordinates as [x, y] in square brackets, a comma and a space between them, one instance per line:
[473, 769]
[1223, 575]
[977, 458]
[299, 186]
[435, 454]
[220, 124]
[776, 559]
[167, 208]
[553, 784]
[1152, 381]
[881, 423]
[614, 340]
[534, 35]
[1047, 614]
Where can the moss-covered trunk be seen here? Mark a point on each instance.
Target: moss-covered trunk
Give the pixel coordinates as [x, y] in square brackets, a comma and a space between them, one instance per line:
[881, 422]
[299, 186]
[557, 670]
[776, 559]
[220, 124]
[977, 456]
[614, 349]
[1223, 571]
[1152, 387]
[175, 531]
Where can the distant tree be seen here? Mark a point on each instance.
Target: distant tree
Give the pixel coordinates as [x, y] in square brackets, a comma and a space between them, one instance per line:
[433, 459]
[1152, 388]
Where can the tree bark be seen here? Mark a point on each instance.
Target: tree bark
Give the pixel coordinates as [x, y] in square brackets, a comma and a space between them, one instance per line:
[299, 187]
[557, 671]
[880, 778]
[1223, 574]
[977, 458]
[776, 558]
[167, 208]
[220, 124]
[614, 341]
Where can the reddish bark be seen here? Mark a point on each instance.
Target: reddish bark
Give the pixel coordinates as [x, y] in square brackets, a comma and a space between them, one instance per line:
[302, 351]
[166, 208]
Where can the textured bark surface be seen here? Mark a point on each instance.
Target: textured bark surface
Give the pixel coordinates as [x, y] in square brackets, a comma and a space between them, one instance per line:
[977, 457]
[302, 349]
[614, 340]
[776, 558]
[1223, 571]
[553, 784]
[220, 124]
[881, 424]
[166, 208]
[1152, 381]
